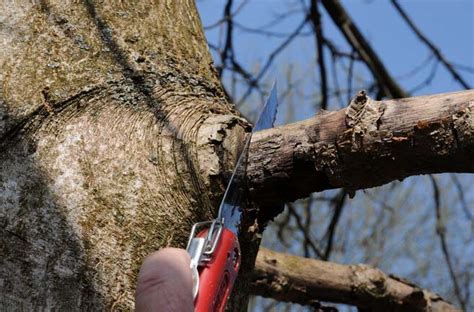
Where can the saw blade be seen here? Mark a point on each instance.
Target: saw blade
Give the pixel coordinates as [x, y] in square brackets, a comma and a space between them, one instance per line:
[230, 210]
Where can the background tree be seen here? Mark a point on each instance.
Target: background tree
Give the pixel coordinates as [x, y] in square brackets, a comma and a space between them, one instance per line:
[116, 136]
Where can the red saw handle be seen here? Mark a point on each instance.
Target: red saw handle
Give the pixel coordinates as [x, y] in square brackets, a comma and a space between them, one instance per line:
[217, 277]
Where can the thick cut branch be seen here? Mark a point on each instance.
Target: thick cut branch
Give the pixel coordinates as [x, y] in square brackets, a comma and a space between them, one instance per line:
[300, 280]
[369, 143]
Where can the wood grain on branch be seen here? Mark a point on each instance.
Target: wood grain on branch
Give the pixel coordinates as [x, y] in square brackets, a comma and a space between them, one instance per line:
[368, 144]
[305, 281]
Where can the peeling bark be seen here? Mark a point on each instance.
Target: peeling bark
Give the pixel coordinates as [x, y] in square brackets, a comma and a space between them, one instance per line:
[284, 277]
[365, 145]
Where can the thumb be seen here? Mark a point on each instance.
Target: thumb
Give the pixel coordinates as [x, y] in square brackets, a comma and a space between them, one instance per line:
[165, 282]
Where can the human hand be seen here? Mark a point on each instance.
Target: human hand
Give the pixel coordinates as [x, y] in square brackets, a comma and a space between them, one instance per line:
[165, 282]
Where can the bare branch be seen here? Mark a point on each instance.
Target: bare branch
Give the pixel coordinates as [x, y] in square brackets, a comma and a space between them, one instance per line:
[228, 48]
[272, 56]
[355, 38]
[462, 198]
[436, 51]
[338, 202]
[227, 16]
[350, 74]
[315, 18]
[441, 232]
[305, 281]
[308, 241]
[368, 144]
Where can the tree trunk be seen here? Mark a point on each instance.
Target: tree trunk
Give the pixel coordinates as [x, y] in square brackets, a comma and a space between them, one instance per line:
[114, 134]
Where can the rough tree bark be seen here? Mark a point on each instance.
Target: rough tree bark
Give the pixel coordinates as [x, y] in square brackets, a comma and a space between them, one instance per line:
[115, 137]
[115, 134]
[367, 144]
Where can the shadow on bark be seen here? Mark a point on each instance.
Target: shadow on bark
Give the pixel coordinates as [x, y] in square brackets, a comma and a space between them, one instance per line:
[39, 247]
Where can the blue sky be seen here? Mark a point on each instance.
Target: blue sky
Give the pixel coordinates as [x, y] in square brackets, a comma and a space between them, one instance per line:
[448, 24]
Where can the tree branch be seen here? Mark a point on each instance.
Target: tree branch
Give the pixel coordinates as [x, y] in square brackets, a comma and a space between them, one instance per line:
[338, 203]
[430, 45]
[354, 37]
[441, 232]
[305, 281]
[307, 235]
[369, 143]
[315, 18]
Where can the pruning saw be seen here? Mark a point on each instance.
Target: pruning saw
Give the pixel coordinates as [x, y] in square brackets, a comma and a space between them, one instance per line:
[213, 245]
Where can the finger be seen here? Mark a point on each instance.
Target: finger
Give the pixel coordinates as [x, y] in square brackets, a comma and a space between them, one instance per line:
[165, 282]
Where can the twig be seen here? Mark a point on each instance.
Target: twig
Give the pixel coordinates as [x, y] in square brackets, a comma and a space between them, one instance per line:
[338, 202]
[306, 234]
[315, 18]
[268, 33]
[272, 56]
[226, 17]
[468, 69]
[354, 37]
[441, 231]
[428, 79]
[462, 199]
[430, 45]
